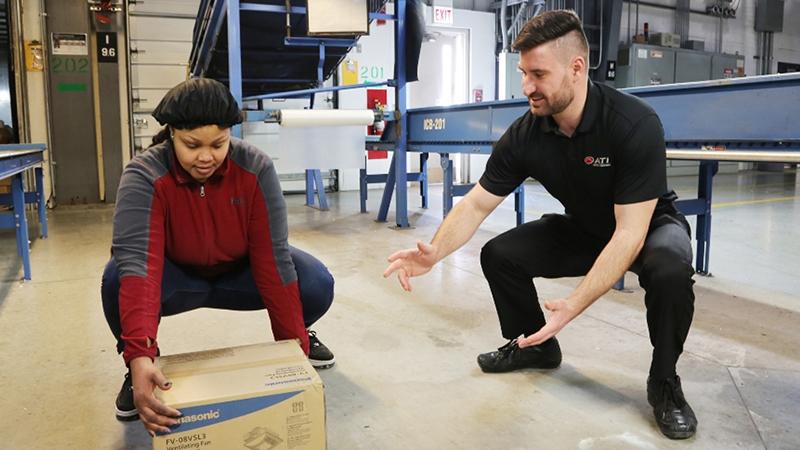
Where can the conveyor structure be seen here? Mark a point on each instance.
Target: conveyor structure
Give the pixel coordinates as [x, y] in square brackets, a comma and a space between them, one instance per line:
[261, 49]
[741, 119]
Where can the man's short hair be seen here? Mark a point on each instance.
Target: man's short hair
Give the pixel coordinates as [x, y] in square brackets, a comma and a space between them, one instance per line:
[550, 26]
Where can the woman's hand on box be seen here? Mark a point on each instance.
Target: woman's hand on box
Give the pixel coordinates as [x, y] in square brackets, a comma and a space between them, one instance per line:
[155, 415]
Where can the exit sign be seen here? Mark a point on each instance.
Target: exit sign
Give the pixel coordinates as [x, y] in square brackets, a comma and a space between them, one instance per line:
[443, 15]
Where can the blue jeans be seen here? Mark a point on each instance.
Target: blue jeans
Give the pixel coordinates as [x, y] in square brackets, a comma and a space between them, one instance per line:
[182, 291]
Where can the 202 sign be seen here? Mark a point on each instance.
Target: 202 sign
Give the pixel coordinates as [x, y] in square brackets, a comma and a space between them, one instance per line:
[62, 64]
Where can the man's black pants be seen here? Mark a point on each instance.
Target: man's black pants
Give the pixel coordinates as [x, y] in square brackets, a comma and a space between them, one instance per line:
[554, 246]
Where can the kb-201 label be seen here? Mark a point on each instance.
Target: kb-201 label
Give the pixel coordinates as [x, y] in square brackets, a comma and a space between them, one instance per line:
[437, 123]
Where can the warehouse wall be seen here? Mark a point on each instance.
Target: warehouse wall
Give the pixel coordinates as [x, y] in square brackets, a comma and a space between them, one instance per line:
[37, 118]
[738, 35]
[787, 43]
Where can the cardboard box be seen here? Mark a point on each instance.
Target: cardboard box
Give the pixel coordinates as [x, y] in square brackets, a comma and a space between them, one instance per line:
[255, 397]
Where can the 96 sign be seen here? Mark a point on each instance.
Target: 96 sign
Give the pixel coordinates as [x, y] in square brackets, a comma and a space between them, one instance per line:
[106, 47]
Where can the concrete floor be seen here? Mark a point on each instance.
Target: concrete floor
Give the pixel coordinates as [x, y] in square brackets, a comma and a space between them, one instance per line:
[406, 376]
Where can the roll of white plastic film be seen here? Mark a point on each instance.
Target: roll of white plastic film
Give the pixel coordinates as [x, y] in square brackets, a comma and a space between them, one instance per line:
[325, 117]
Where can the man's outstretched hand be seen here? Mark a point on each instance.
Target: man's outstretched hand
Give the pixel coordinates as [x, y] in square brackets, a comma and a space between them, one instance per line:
[411, 262]
[561, 313]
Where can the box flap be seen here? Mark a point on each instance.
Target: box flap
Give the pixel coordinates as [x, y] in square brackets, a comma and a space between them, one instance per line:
[233, 372]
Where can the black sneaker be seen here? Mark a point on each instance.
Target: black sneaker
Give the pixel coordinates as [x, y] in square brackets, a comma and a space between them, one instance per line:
[318, 354]
[126, 409]
[546, 355]
[674, 416]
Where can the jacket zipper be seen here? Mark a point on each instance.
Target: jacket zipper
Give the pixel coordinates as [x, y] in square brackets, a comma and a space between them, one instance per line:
[202, 190]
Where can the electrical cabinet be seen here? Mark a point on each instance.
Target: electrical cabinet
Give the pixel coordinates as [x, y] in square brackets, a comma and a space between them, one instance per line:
[692, 66]
[641, 65]
[726, 66]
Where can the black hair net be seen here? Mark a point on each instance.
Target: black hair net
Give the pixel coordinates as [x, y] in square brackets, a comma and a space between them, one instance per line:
[198, 102]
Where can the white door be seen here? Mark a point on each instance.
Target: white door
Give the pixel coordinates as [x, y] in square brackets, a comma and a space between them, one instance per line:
[161, 41]
[443, 69]
[443, 81]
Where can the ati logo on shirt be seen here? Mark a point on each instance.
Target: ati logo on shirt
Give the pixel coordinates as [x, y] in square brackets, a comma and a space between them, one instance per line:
[236, 201]
[600, 161]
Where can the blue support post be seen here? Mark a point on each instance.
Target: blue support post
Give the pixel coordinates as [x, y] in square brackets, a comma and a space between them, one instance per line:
[703, 233]
[447, 183]
[423, 179]
[41, 201]
[314, 185]
[321, 64]
[365, 179]
[309, 188]
[235, 58]
[388, 189]
[316, 177]
[399, 167]
[21, 223]
[362, 186]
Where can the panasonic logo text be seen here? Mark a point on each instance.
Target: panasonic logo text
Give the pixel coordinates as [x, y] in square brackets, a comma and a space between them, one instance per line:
[198, 417]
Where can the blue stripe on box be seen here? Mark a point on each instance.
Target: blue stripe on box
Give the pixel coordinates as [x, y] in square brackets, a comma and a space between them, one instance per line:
[211, 414]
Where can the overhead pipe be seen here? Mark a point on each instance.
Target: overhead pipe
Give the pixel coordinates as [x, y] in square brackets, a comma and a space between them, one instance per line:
[669, 7]
[522, 8]
[600, 56]
[503, 26]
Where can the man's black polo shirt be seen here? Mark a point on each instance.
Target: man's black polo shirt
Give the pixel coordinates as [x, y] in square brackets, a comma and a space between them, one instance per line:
[615, 156]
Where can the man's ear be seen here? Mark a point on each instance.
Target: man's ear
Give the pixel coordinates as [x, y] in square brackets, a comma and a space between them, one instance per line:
[577, 66]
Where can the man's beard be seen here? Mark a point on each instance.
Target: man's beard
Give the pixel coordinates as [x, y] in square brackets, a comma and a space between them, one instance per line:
[559, 102]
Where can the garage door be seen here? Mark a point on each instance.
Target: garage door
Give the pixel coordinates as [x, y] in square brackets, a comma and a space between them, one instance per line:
[161, 40]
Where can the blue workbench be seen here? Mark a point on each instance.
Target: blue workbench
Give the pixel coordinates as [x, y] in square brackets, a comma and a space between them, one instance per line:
[15, 160]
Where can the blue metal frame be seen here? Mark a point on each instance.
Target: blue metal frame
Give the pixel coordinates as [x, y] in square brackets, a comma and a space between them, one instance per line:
[421, 177]
[313, 42]
[381, 16]
[208, 35]
[208, 39]
[257, 7]
[701, 206]
[235, 58]
[399, 166]
[15, 159]
[734, 110]
[449, 188]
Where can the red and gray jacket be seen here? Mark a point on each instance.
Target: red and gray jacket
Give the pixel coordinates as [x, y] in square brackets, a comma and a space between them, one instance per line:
[237, 215]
